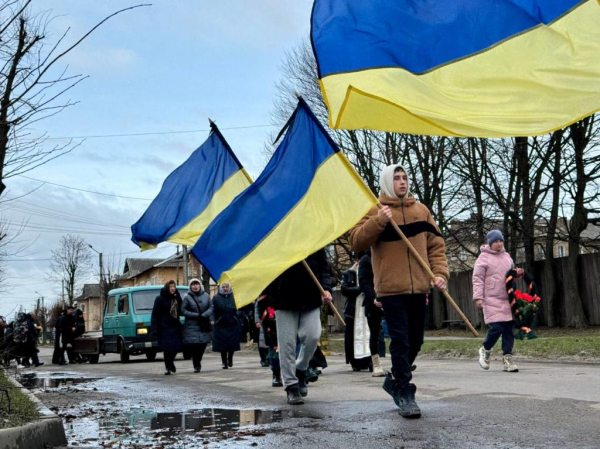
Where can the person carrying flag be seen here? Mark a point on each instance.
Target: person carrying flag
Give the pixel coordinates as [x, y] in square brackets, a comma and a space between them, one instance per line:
[400, 282]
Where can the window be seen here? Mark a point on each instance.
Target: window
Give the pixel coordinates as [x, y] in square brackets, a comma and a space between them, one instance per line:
[153, 280]
[82, 307]
[124, 304]
[561, 251]
[110, 305]
[143, 300]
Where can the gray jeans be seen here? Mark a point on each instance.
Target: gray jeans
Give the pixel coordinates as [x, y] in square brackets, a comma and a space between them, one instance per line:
[294, 327]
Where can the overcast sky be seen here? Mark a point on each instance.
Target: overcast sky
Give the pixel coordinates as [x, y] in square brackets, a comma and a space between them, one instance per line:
[162, 68]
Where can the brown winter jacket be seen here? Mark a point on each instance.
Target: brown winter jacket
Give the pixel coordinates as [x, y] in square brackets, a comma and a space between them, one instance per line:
[396, 271]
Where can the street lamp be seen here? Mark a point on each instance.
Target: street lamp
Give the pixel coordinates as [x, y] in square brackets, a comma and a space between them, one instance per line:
[101, 285]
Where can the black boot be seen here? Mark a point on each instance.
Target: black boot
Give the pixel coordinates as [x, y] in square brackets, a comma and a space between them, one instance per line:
[312, 374]
[230, 359]
[277, 378]
[263, 357]
[302, 387]
[224, 360]
[293, 395]
[408, 407]
[390, 387]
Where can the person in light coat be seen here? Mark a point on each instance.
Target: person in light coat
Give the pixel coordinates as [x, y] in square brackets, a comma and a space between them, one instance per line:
[489, 294]
[197, 309]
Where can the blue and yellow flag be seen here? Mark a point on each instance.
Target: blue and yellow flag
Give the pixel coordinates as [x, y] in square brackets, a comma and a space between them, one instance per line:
[480, 68]
[193, 195]
[306, 197]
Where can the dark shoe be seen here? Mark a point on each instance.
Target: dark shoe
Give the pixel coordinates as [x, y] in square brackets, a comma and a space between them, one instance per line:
[302, 387]
[225, 366]
[277, 381]
[312, 374]
[408, 407]
[413, 367]
[167, 372]
[39, 364]
[63, 363]
[264, 363]
[293, 395]
[390, 387]
[173, 368]
[196, 370]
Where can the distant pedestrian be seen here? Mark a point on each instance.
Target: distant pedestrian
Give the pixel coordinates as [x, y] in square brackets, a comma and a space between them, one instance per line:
[227, 325]
[263, 347]
[489, 294]
[58, 356]
[166, 325]
[68, 328]
[268, 329]
[197, 309]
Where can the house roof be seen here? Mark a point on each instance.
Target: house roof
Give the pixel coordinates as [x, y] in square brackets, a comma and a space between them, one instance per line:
[90, 291]
[134, 267]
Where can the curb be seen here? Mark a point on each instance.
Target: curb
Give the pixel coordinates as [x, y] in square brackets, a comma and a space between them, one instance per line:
[48, 431]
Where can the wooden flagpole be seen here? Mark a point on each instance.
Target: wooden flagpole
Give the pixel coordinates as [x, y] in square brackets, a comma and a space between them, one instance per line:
[314, 278]
[431, 275]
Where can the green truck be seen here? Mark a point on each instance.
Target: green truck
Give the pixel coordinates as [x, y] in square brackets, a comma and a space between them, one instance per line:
[126, 326]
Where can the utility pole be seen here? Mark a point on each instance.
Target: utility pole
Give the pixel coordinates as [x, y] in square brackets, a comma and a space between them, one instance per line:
[101, 285]
[177, 269]
[185, 265]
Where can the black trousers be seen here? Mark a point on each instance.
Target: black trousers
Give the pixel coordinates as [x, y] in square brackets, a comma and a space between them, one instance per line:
[405, 317]
[227, 358]
[374, 322]
[197, 351]
[504, 329]
[169, 357]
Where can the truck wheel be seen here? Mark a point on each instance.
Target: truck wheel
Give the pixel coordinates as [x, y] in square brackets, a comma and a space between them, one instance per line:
[93, 358]
[123, 354]
[151, 355]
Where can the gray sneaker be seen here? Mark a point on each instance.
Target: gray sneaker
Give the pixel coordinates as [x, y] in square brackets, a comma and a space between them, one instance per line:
[508, 365]
[484, 358]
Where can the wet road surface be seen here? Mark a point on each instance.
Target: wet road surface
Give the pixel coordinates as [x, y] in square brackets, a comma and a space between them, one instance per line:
[135, 405]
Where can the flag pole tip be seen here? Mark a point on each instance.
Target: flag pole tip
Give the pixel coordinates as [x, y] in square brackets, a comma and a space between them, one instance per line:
[298, 96]
[210, 121]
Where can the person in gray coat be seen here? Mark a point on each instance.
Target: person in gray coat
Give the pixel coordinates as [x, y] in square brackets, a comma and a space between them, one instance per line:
[197, 309]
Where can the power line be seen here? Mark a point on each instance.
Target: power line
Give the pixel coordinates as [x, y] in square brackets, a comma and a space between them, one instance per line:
[84, 190]
[99, 136]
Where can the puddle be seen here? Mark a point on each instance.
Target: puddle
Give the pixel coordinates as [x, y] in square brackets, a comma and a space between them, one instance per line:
[33, 381]
[99, 427]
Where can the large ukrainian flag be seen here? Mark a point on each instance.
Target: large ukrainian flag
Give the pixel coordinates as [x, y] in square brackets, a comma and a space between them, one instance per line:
[482, 68]
[306, 197]
[191, 196]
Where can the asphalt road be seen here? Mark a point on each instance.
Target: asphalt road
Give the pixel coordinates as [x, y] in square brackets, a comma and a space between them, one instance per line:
[544, 405]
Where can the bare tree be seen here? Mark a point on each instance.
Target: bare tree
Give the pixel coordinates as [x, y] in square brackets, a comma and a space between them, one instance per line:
[31, 85]
[71, 263]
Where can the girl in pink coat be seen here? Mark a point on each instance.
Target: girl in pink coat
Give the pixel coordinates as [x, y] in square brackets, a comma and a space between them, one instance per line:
[489, 294]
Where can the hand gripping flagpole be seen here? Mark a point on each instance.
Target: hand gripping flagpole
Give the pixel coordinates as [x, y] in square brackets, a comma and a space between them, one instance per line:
[431, 275]
[322, 290]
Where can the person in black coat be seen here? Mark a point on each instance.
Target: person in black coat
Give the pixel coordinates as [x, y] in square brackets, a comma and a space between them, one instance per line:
[58, 356]
[166, 326]
[373, 311]
[32, 336]
[297, 300]
[68, 326]
[227, 325]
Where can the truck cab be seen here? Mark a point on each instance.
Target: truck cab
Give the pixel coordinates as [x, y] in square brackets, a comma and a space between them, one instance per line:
[126, 327]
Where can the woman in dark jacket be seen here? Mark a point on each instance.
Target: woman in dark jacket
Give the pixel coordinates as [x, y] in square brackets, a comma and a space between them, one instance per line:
[197, 309]
[227, 325]
[166, 325]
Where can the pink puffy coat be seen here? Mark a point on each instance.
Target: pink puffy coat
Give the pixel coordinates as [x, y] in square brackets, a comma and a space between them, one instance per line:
[488, 284]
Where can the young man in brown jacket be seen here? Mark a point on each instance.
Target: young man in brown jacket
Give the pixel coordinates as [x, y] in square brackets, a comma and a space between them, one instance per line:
[400, 282]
